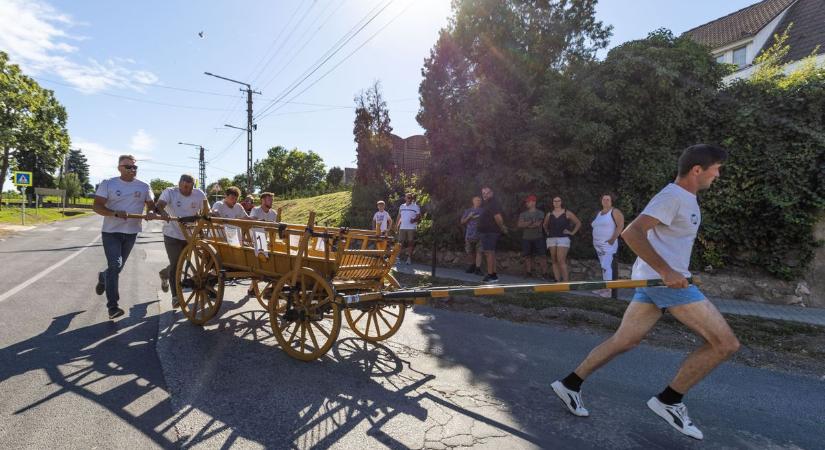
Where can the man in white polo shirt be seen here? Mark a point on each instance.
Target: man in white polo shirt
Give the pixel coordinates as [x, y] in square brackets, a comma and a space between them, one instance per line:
[407, 220]
[114, 199]
[662, 237]
[265, 212]
[228, 208]
[181, 201]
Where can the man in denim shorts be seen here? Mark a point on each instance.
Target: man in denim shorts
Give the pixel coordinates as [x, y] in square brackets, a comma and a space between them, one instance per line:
[662, 237]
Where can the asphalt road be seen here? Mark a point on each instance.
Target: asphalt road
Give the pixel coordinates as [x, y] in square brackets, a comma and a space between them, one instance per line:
[70, 378]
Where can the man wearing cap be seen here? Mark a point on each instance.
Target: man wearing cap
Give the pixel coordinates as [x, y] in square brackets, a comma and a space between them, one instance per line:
[532, 239]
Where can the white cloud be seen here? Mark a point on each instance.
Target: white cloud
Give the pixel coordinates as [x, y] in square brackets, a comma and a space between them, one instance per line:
[142, 141]
[35, 36]
[102, 159]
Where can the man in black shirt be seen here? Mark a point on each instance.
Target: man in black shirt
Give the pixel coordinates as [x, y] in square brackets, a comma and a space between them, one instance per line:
[490, 227]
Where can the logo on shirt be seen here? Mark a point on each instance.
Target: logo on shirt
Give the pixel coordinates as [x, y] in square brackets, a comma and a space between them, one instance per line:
[694, 219]
[137, 194]
[117, 192]
[177, 203]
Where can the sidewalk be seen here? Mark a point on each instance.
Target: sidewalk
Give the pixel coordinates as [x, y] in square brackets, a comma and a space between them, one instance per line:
[813, 316]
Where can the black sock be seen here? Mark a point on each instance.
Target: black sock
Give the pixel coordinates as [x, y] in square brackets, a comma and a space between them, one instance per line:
[669, 396]
[573, 382]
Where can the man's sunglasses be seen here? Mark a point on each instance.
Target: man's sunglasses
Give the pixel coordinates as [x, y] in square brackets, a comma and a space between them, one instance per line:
[129, 166]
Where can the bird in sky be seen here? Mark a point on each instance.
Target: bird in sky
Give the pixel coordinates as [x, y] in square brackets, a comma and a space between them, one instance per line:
[201, 34]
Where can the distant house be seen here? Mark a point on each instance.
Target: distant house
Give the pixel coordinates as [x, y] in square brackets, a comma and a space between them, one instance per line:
[740, 37]
[410, 155]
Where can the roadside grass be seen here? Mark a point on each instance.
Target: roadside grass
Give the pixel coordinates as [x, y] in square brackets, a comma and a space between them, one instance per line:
[329, 208]
[773, 343]
[11, 215]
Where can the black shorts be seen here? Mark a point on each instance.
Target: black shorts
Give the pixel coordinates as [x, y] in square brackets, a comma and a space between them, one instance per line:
[532, 247]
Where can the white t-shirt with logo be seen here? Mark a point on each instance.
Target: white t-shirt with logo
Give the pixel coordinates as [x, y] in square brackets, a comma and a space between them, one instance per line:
[259, 214]
[223, 210]
[179, 205]
[129, 196]
[408, 213]
[382, 219]
[678, 213]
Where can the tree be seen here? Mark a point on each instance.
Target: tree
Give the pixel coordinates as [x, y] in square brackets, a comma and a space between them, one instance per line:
[72, 185]
[33, 135]
[76, 163]
[284, 171]
[158, 185]
[334, 177]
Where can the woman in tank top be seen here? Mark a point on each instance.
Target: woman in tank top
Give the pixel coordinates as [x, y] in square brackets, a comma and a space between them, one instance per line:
[607, 226]
[560, 224]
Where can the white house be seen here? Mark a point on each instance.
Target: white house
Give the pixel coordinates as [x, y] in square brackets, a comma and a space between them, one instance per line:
[739, 37]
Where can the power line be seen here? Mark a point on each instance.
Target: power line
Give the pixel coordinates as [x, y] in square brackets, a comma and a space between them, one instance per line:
[262, 115]
[288, 38]
[274, 41]
[318, 65]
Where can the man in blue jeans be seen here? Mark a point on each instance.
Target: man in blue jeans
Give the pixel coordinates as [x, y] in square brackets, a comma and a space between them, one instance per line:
[114, 199]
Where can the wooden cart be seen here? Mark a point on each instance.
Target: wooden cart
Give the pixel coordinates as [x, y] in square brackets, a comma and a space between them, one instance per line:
[301, 274]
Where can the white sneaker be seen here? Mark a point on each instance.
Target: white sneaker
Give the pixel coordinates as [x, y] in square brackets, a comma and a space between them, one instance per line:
[571, 399]
[676, 415]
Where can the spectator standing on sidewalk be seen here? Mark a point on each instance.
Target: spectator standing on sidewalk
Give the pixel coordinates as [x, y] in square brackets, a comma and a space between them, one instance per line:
[181, 201]
[532, 237]
[490, 227]
[114, 199]
[381, 219]
[607, 226]
[560, 225]
[407, 220]
[472, 245]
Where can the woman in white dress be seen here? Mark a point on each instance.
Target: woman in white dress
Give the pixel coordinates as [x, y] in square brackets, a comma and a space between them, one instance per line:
[607, 226]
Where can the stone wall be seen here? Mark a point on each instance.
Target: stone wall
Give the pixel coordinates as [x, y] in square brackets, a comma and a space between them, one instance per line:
[744, 285]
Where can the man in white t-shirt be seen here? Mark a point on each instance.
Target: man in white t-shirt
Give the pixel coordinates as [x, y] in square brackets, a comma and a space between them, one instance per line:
[114, 199]
[228, 208]
[265, 212]
[407, 220]
[662, 237]
[181, 201]
[381, 219]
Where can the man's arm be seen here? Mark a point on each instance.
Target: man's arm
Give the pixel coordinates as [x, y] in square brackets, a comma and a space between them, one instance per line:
[466, 217]
[636, 237]
[99, 207]
[500, 223]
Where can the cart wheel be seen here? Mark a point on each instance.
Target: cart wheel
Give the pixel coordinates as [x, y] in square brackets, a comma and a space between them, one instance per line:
[263, 291]
[376, 322]
[199, 282]
[305, 317]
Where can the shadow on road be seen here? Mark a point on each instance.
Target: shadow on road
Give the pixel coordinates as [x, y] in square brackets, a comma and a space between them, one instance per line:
[231, 382]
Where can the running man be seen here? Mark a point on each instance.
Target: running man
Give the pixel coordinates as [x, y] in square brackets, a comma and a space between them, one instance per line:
[662, 237]
[181, 201]
[265, 212]
[114, 199]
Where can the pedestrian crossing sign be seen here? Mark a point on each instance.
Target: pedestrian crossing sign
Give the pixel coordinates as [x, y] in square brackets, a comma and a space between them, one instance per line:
[23, 178]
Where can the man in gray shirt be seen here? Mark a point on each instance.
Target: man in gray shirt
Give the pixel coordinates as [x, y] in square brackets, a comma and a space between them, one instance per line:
[114, 199]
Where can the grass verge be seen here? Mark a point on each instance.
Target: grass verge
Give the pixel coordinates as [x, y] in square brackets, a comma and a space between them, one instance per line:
[329, 208]
[11, 215]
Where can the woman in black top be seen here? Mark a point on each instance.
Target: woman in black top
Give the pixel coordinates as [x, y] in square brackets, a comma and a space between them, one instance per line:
[560, 224]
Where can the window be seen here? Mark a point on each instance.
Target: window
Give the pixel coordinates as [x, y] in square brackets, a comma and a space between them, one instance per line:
[720, 58]
[740, 56]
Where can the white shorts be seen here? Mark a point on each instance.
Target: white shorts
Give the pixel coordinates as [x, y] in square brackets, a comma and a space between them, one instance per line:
[558, 242]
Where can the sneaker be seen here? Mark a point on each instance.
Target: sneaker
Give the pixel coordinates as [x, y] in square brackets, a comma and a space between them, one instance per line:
[164, 280]
[115, 312]
[100, 288]
[175, 303]
[571, 399]
[478, 272]
[409, 261]
[676, 415]
[471, 269]
[491, 278]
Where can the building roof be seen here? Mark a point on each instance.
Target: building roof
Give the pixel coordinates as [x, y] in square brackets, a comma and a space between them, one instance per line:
[807, 32]
[741, 24]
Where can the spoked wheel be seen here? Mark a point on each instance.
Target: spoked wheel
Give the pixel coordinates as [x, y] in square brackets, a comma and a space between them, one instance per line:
[263, 291]
[199, 283]
[376, 322]
[305, 317]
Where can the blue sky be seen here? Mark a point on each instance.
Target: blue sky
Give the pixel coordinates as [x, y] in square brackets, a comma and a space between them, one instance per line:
[125, 70]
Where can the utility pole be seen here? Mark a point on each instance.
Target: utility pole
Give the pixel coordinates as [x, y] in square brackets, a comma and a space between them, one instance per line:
[201, 164]
[249, 126]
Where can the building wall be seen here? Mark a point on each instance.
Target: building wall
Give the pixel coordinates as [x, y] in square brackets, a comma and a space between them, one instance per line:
[410, 155]
[747, 72]
[755, 44]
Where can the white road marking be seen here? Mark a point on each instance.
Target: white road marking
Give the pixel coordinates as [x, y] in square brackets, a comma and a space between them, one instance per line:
[45, 272]
[72, 228]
